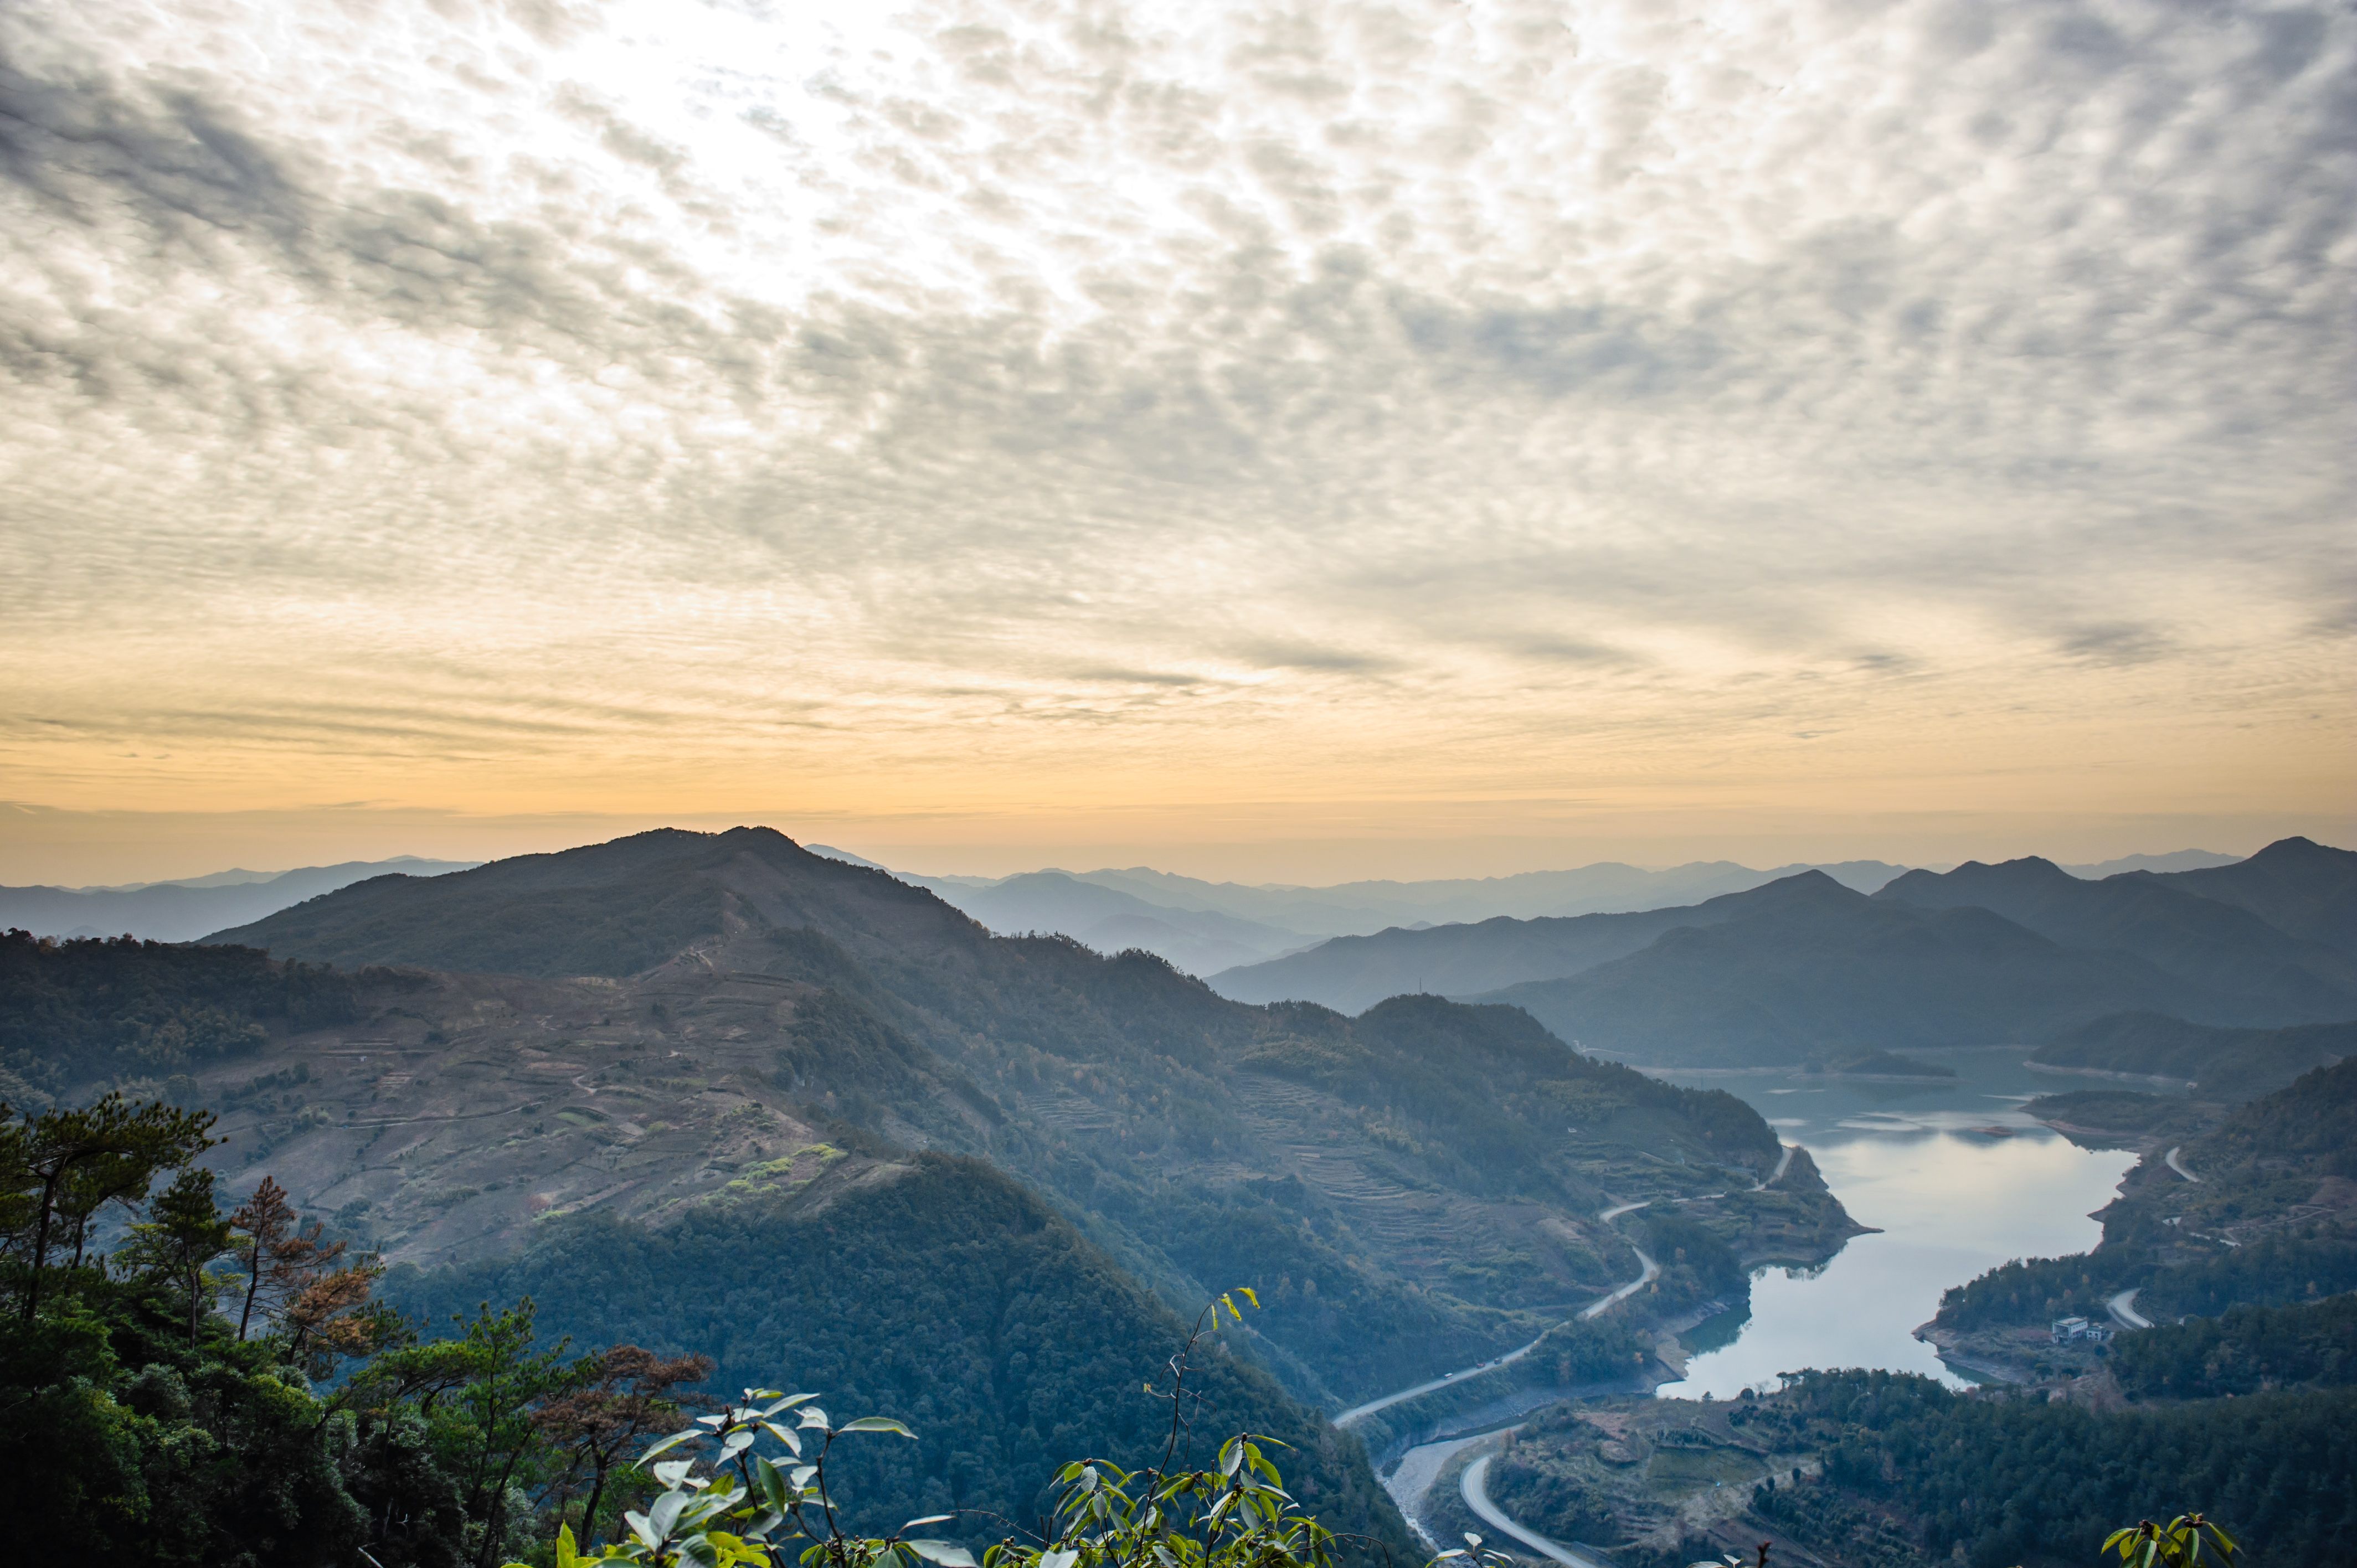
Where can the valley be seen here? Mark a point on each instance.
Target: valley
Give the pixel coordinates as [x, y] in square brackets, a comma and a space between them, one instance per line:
[1600, 1476]
[602, 1079]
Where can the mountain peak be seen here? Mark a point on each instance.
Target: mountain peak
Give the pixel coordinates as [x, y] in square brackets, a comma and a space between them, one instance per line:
[1975, 880]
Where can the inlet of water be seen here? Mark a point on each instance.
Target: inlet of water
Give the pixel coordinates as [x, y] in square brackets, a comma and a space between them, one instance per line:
[1956, 1178]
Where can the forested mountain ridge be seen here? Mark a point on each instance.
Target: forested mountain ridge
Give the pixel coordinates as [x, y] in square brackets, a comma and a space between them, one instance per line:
[2295, 884]
[2228, 950]
[87, 1008]
[1351, 973]
[1805, 970]
[1429, 1176]
[1811, 970]
[2233, 1064]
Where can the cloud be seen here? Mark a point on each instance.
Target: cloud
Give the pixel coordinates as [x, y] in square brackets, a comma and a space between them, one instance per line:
[461, 389]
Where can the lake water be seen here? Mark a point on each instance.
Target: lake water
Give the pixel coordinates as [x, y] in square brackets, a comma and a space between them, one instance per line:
[1951, 1202]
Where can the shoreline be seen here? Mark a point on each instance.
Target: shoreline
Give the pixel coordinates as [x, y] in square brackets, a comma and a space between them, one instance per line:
[2034, 1066]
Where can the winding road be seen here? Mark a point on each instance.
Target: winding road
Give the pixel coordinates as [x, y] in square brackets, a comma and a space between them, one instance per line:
[2122, 1310]
[1473, 1482]
[1652, 1271]
[1359, 1411]
[2179, 1169]
[1474, 1485]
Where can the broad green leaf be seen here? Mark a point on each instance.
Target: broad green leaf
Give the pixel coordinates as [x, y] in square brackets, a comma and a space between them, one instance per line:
[1246, 1292]
[929, 1519]
[1058, 1559]
[876, 1423]
[947, 1553]
[673, 1441]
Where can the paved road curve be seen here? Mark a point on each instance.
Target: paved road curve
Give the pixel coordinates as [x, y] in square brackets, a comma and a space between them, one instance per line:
[1474, 1485]
[2123, 1308]
[1359, 1411]
[1653, 1271]
[2179, 1169]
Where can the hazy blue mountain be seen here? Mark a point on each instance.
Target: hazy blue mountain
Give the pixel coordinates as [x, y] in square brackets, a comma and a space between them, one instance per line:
[2294, 885]
[2177, 860]
[182, 911]
[2229, 949]
[1352, 973]
[1361, 908]
[1811, 970]
[844, 855]
[2233, 1065]
[1201, 941]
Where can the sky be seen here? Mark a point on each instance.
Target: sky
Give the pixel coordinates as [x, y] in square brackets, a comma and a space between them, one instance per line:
[1287, 441]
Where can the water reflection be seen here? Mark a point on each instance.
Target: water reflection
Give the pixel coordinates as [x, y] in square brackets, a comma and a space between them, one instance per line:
[1957, 1179]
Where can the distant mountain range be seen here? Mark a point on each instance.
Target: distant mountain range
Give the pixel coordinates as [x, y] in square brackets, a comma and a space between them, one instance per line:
[184, 911]
[1202, 927]
[1206, 927]
[1804, 968]
[1280, 918]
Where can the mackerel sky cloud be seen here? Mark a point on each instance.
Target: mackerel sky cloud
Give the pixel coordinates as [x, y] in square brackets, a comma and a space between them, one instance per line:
[1494, 418]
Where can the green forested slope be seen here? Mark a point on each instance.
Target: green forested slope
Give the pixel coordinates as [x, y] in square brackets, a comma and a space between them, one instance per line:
[77, 1010]
[2245, 1350]
[2009, 1480]
[947, 1296]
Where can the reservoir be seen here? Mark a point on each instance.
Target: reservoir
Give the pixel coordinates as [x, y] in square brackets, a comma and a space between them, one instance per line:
[1955, 1177]
[1952, 1175]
